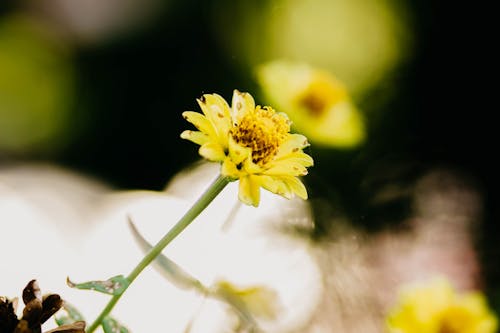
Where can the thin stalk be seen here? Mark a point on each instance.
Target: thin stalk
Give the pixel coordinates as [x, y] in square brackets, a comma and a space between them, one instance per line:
[206, 198]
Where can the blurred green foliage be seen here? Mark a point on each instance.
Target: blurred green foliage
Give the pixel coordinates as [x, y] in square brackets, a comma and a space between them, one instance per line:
[36, 88]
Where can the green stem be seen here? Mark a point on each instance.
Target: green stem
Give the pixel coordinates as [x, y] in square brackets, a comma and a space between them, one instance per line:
[215, 188]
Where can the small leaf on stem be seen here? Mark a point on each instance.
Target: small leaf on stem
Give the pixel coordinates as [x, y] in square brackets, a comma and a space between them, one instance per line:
[113, 286]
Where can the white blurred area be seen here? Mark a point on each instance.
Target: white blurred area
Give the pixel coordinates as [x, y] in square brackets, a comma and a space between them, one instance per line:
[45, 214]
[56, 224]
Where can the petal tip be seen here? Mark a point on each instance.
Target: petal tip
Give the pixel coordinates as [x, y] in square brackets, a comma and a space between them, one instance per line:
[185, 134]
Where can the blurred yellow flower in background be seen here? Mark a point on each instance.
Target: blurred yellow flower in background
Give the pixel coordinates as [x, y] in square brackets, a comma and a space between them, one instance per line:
[361, 41]
[317, 103]
[253, 143]
[259, 301]
[435, 307]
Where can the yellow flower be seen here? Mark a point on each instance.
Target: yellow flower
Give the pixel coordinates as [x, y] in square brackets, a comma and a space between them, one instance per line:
[317, 103]
[437, 308]
[259, 301]
[253, 143]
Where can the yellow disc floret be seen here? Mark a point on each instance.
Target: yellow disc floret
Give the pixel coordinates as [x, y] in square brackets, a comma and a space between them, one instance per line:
[263, 131]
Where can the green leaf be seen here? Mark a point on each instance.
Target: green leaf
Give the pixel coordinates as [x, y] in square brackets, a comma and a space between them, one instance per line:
[72, 315]
[169, 269]
[113, 286]
[110, 325]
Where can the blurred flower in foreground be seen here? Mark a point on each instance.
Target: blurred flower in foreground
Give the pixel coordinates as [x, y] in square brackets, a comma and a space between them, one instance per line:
[436, 308]
[317, 103]
[37, 310]
[253, 144]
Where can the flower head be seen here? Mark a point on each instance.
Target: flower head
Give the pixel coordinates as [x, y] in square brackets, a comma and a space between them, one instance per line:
[316, 102]
[252, 304]
[253, 143]
[437, 308]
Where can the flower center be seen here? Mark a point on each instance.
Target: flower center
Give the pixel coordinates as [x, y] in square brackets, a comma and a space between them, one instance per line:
[447, 328]
[452, 321]
[263, 131]
[321, 94]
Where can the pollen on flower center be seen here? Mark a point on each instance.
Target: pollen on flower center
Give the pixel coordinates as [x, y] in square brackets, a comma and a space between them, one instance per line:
[262, 131]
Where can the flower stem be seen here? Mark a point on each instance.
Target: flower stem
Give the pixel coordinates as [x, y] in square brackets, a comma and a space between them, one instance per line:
[206, 198]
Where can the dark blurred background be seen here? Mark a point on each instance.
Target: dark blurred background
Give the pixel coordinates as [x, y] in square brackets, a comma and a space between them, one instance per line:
[108, 97]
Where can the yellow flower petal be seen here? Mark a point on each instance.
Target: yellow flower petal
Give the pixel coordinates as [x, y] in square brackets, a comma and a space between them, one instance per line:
[288, 167]
[238, 153]
[276, 185]
[286, 186]
[294, 143]
[217, 112]
[251, 167]
[296, 186]
[197, 137]
[229, 169]
[212, 152]
[200, 122]
[342, 125]
[298, 157]
[249, 190]
[241, 104]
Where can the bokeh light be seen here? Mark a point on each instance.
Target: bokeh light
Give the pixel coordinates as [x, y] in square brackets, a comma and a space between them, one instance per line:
[359, 41]
[36, 87]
